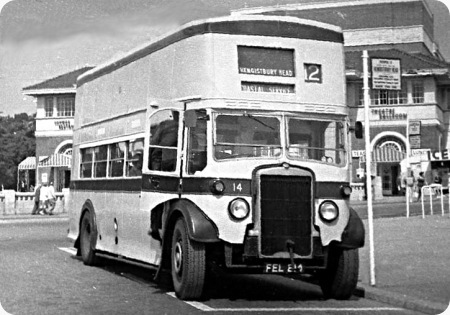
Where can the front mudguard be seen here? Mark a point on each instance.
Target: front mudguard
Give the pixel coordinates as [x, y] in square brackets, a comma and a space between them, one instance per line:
[354, 233]
[200, 227]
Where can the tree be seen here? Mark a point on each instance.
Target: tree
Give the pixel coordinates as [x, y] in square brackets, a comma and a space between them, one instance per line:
[17, 142]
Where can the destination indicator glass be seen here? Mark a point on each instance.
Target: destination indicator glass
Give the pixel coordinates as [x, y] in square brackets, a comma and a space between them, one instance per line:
[266, 61]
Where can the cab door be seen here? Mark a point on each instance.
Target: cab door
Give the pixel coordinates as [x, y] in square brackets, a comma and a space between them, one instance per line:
[161, 171]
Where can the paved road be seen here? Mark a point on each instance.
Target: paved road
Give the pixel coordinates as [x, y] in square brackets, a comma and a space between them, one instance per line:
[40, 275]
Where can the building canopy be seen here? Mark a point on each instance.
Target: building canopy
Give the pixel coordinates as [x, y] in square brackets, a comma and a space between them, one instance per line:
[28, 164]
[56, 160]
[385, 154]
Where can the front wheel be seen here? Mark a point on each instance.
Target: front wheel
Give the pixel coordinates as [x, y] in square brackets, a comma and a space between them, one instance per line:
[88, 239]
[339, 279]
[188, 264]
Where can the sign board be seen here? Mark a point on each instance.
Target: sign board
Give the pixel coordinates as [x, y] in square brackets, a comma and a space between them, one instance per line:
[266, 61]
[421, 152]
[386, 74]
[313, 72]
[426, 153]
[358, 153]
[261, 87]
[414, 142]
[387, 114]
[414, 128]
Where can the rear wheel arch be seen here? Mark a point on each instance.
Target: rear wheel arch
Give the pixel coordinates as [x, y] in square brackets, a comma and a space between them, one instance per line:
[87, 207]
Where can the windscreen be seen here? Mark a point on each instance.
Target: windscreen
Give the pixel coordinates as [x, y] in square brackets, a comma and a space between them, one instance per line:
[239, 136]
[318, 140]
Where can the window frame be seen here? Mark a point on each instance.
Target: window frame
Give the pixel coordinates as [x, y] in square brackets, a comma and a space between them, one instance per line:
[417, 91]
[176, 115]
[384, 97]
[49, 106]
[65, 106]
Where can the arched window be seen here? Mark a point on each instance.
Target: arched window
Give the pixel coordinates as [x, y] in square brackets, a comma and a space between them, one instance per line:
[391, 142]
[66, 149]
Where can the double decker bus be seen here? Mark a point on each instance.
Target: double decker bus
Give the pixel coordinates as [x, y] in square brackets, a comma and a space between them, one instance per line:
[224, 143]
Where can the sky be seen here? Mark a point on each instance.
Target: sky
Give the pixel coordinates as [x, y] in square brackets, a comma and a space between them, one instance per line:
[41, 39]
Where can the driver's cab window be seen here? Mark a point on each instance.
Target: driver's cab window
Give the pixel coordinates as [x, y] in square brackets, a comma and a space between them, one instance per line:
[197, 142]
[163, 140]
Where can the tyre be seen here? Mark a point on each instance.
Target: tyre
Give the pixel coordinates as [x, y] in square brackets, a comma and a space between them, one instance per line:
[88, 239]
[188, 262]
[339, 279]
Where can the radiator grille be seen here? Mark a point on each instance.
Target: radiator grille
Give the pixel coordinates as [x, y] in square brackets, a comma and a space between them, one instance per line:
[285, 214]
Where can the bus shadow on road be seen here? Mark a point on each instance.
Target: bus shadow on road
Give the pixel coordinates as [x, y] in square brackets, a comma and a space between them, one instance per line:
[220, 284]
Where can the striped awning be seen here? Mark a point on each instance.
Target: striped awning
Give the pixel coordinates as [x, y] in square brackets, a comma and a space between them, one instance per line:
[28, 164]
[385, 155]
[56, 160]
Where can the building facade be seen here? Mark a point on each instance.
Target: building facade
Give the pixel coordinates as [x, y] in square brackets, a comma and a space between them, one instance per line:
[55, 109]
[409, 127]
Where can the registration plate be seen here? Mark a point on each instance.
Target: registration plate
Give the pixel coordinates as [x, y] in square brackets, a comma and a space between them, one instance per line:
[283, 268]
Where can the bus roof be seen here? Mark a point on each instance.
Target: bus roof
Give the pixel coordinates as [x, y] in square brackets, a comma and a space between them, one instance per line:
[256, 25]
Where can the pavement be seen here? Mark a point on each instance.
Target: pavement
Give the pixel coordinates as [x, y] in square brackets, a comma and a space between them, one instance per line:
[411, 256]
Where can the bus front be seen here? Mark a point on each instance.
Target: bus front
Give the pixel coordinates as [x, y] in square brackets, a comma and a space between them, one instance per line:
[275, 184]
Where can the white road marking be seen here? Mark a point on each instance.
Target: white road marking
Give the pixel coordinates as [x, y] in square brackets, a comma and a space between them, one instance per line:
[70, 250]
[2, 311]
[205, 308]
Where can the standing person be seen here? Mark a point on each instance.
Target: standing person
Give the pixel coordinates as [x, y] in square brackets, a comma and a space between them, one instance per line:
[363, 179]
[22, 186]
[51, 201]
[37, 196]
[437, 178]
[420, 184]
[410, 183]
[43, 198]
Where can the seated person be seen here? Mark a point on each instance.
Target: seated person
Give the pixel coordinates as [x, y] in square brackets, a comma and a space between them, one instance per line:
[136, 165]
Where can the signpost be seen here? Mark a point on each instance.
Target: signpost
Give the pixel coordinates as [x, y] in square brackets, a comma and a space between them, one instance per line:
[386, 74]
[366, 90]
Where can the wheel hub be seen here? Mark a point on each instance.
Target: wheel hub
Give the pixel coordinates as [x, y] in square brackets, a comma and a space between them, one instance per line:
[178, 258]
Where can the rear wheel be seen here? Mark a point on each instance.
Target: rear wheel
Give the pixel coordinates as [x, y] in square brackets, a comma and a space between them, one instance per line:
[339, 280]
[88, 239]
[188, 262]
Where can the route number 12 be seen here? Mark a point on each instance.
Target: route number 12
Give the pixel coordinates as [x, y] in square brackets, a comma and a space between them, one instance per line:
[313, 72]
